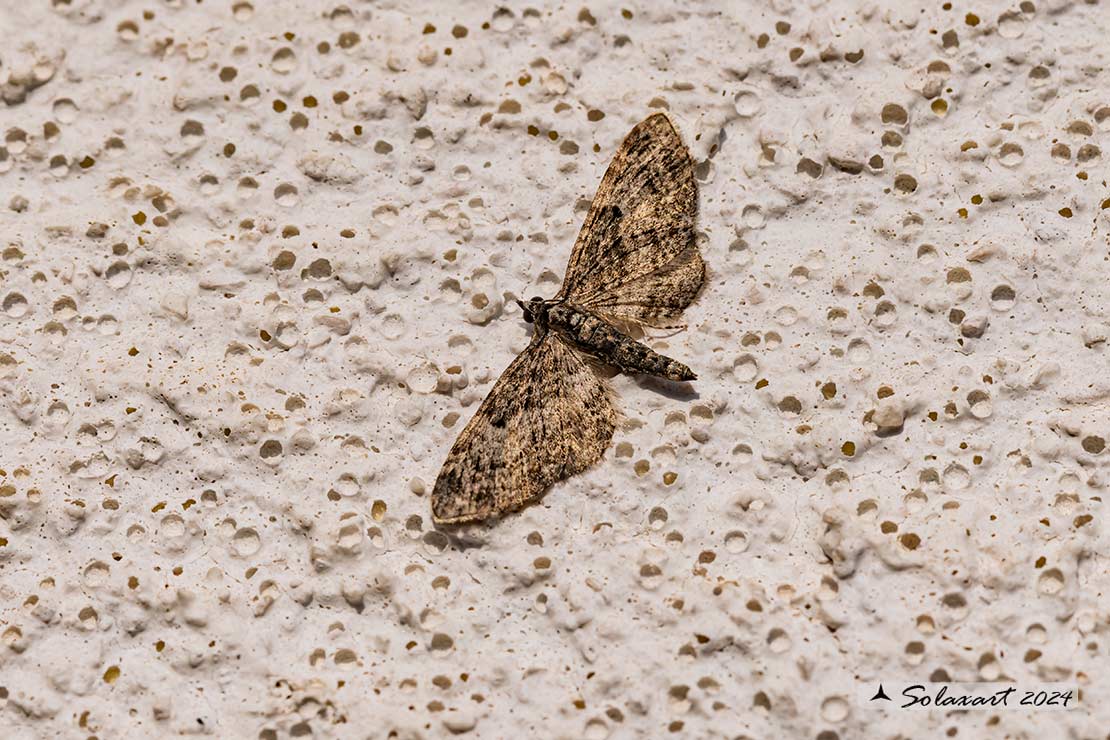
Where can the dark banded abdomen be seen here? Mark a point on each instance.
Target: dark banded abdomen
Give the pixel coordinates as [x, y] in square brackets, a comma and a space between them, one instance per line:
[610, 345]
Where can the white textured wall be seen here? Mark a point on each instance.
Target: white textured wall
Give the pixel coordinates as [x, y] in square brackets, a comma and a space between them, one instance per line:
[237, 342]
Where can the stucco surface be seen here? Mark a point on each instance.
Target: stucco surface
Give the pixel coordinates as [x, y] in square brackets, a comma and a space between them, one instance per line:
[259, 263]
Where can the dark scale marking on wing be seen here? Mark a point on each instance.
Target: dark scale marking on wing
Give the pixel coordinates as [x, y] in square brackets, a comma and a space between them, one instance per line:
[547, 418]
[636, 256]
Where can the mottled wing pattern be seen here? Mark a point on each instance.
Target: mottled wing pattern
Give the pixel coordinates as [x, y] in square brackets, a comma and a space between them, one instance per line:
[636, 257]
[547, 418]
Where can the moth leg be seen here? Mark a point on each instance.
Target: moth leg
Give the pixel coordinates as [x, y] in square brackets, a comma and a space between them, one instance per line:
[677, 329]
[638, 328]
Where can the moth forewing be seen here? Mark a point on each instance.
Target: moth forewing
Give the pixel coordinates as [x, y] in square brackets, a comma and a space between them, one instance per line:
[548, 417]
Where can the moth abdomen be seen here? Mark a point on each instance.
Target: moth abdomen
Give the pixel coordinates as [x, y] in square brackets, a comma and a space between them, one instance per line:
[609, 344]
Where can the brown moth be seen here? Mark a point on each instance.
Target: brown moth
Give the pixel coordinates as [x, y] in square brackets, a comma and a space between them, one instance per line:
[635, 263]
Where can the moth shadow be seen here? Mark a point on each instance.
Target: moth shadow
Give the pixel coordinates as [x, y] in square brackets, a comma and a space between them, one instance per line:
[464, 536]
[675, 390]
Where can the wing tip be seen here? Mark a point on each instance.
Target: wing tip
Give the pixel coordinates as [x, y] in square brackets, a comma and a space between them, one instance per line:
[660, 116]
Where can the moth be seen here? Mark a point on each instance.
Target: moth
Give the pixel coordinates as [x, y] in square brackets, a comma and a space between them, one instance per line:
[635, 264]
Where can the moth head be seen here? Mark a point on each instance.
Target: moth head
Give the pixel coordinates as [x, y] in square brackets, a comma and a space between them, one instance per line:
[533, 308]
